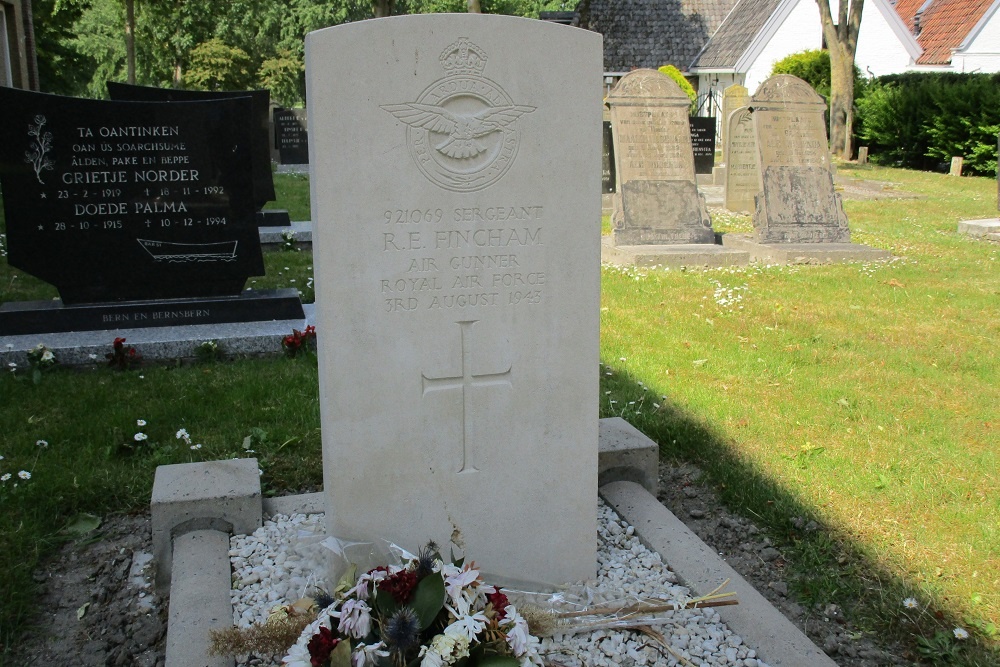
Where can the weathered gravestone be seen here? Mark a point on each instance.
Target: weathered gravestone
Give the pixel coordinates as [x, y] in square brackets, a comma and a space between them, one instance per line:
[741, 182]
[733, 98]
[145, 203]
[796, 201]
[657, 200]
[456, 191]
[291, 136]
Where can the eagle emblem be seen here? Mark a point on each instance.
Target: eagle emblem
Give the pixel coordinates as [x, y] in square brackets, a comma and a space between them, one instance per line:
[463, 129]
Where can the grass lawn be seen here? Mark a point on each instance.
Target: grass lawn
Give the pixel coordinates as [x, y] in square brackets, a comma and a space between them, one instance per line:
[864, 397]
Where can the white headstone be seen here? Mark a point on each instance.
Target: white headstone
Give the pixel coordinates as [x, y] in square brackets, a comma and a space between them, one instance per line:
[456, 203]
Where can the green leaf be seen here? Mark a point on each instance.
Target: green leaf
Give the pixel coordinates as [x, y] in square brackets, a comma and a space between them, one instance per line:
[81, 524]
[428, 599]
[498, 661]
[82, 611]
[347, 581]
[341, 656]
[385, 603]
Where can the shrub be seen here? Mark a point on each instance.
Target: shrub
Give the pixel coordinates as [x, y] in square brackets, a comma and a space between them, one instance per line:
[685, 85]
[813, 67]
[922, 120]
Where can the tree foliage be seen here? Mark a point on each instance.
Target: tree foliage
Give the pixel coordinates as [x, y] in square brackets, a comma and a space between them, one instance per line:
[204, 44]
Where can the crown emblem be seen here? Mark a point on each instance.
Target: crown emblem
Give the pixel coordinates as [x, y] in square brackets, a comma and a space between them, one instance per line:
[463, 57]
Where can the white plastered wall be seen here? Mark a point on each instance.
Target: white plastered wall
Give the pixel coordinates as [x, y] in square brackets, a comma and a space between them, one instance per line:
[879, 51]
[983, 53]
[800, 31]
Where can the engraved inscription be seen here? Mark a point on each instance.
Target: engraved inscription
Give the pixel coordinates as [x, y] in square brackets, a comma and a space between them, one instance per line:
[792, 139]
[465, 381]
[654, 143]
[465, 257]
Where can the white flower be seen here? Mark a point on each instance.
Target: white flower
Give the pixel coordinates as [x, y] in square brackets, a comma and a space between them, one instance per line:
[1, 458]
[198, 446]
[140, 422]
[5, 477]
[41, 443]
[368, 655]
[298, 656]
[139, 437]
[469, 626]
[517, 636]
[92, 357]
[182, 434]
[24, 474]
[910, 603]
[355, 619]
[48, 356]
[12, 365]
[445, 649]
[960, 633]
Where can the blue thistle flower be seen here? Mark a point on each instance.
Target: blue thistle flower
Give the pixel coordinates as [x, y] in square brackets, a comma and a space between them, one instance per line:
[402, 631]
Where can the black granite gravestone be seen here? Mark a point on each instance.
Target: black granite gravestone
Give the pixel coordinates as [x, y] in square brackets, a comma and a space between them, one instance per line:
[260, 154]
[703, 143]
[125, 201]
[291, 137]
[608, 161]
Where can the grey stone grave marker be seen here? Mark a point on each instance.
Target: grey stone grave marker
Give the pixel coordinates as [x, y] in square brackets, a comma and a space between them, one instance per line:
[733, 97]
[657, 200]
[796, 201]
[741, 162]
[457, 201]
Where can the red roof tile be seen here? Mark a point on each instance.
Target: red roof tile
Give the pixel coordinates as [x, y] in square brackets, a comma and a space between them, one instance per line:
[944, 24]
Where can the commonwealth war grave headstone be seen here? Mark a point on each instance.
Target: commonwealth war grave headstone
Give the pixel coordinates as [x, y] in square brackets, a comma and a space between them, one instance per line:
[457, 283]
[741, 162]
[796, 207]
[145, 203]
[291, 136]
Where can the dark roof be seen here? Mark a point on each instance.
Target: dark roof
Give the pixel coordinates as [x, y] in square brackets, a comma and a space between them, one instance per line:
[652, 33]
[736, 33]
[942, 25]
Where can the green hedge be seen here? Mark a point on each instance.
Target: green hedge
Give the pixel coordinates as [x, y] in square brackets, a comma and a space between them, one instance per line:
[922, 120]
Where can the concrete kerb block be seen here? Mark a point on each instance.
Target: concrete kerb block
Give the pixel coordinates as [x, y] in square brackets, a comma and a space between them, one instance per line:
[626, 454]
[776, 639]
[199, 599]
[213, 495]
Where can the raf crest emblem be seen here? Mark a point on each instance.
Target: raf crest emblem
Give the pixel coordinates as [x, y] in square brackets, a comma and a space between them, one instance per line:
[462, 130]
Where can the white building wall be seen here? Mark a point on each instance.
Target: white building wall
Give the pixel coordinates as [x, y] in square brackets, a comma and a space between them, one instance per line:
[879, 49]
[800, 31]
[983, 54]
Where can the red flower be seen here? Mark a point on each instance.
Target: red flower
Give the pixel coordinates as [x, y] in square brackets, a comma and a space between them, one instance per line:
[400, 585]
[499, 602]
[321, 646]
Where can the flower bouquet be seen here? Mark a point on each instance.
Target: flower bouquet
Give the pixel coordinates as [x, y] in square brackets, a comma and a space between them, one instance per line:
[425, 612]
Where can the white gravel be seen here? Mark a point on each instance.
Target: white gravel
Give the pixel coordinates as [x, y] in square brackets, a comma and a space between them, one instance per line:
[280, 562]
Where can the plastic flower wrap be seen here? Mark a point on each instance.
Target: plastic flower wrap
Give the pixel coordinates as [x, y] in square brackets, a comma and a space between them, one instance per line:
[423, 611]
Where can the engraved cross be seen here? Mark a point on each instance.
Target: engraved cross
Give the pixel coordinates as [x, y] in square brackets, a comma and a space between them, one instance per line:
[463, 382]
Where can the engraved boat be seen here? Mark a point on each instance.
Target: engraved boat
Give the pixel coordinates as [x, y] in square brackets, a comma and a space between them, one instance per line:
[170, 251]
